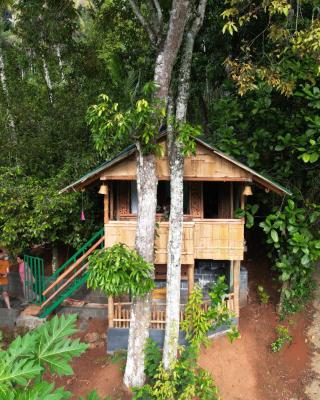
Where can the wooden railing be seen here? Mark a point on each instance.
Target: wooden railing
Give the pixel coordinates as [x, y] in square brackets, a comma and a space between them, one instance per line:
[216, 239]
[121, 313]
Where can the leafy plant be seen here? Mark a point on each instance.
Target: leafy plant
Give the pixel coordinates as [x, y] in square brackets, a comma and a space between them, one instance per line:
[198, 321]
[186, 380]
[263, 295]
[119, 270]
[153, 358]
[292, 235]
[24, 362]
[283, 337]
[248, 213]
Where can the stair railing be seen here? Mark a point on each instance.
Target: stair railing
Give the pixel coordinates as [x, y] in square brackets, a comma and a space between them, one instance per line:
[68, 271]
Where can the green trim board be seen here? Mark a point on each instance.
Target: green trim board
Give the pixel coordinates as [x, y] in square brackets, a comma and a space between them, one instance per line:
[95, 174]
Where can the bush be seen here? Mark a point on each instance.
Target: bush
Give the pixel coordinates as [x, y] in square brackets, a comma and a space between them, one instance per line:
[283, 338]
[119, 270]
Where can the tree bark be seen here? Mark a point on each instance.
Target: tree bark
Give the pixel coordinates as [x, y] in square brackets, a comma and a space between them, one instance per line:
[55, 255]
[5, 90]
[47, 78]
[147, 186]
[141, 307]
[176, 163]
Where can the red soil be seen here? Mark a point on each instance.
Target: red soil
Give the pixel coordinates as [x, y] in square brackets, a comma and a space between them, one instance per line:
[244, 370]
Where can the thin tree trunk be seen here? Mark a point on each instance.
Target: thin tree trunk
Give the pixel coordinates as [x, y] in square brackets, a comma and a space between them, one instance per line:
[141, 307]
[54, 260]
[5, 90]
[176, 162]
[47, 78]
[58, 52]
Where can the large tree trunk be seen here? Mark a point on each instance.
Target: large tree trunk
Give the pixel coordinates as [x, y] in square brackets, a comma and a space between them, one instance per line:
[141, 307]
[176, 161]
[147, 185]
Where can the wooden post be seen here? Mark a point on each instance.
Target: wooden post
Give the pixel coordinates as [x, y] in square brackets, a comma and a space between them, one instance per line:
[111, 211]
[110, 312]
[106, 205]
[190, 278]
[236, 285]
[242, 199]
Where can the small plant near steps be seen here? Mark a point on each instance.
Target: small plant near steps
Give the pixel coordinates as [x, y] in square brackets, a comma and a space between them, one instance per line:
[283, 337]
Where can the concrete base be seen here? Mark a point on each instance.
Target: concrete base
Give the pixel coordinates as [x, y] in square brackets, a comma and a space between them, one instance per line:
[85, 312]
[8, 318]
[117, 338]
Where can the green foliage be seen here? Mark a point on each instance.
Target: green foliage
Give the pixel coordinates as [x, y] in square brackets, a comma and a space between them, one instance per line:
[198, 321]
[44, 216]
[186, 380]
[24, 362]
[119, 270]
[153, 358]
[283, 337]
[140, 123]
[248, 213]
[263, 295]
[292, 235]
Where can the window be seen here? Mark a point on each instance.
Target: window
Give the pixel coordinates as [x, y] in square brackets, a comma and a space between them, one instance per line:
[163, 197]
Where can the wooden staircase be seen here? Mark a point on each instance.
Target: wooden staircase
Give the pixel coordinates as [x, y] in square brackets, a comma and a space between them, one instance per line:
[67, 279]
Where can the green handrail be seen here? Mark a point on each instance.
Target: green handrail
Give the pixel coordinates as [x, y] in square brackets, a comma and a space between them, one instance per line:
[79, 253]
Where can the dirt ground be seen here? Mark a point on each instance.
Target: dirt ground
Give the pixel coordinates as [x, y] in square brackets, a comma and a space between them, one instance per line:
[244, 370]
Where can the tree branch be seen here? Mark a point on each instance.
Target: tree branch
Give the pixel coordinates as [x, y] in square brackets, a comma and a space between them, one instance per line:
[186, 61]
[152, 35]
[159, 12]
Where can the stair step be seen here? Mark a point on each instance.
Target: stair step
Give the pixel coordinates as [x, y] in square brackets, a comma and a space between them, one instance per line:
[32, 309]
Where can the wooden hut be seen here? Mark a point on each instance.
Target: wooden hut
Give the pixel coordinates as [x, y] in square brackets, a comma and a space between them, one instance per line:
[215, 185]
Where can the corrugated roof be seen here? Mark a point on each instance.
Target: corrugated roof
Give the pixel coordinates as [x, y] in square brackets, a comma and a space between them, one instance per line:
[257, 177]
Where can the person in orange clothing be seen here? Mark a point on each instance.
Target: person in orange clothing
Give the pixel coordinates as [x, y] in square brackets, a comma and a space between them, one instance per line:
[4, 271]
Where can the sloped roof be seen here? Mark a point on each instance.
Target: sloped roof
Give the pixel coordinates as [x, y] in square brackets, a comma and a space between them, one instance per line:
[93, 175]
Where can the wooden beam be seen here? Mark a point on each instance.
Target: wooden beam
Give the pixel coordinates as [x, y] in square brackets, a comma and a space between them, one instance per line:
[236, 285]
[110, 312]
[190, 278]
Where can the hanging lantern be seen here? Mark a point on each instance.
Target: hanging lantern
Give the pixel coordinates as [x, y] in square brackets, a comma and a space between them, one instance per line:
[247, 191]
[82, 216]
[103, 189]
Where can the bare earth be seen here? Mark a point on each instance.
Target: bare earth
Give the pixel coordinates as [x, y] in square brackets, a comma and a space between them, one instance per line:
[244, 370]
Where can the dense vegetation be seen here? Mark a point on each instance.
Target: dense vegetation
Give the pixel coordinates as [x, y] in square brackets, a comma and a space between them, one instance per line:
[255, 94]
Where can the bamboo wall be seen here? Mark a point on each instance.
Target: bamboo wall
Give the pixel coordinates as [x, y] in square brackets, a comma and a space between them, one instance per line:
[121, 313]
[204, 239]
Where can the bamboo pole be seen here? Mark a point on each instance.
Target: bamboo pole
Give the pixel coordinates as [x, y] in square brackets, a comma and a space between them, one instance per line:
[190, 278]
[110, 312]
[106, 205]
[65, 284]
[73, 266]
[236, 285]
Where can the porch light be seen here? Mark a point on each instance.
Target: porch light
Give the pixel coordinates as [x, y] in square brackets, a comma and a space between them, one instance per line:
[103, 189]
[247, 191]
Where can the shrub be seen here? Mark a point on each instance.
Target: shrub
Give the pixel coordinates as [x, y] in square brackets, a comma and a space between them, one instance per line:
[119, 270]
[283, 337]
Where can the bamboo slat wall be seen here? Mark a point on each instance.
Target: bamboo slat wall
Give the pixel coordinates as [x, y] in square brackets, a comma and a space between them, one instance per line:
[121, 313]
[204, 239]
[204, 165]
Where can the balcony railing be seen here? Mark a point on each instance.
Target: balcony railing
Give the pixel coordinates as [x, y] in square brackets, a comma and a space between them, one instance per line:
[121, 313]
[218, 239]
